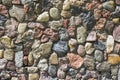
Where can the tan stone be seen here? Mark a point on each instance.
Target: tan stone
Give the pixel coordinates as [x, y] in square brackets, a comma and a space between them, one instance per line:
[114, 59]
[30, 59]
[75, 60]
[53, 58]
[33, 76]
[9, 54]
[14, 78]
[22, 27]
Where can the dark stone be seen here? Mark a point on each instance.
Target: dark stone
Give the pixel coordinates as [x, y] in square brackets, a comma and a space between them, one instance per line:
[2, 20]
[52, 70]
[61, 48]
[63, 34]
[99, 45]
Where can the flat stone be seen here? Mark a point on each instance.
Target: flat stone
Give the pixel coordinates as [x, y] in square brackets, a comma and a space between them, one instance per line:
[81, 34]
[89, 62]
[17, 12]
[54, 13]
[44, 17]
[19, 59]
[9, 54]
[113, 59]
[11, 66]
[1, 53]
[53, 58]
[91, 36]
[104, 66]
[109, 5]
[61, 48]
[89, 48]
[32, 69]
[81, 50]
[116, 34]
[98, 55]
[33, 76]
[43, 65]
[6, 41]
[52, 70]
[55, 25]
[3, 63]
[22, 27]
[109, 44]
[75, 60]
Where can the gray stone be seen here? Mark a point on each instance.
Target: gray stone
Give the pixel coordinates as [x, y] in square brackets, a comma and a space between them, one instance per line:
[9, 54]
[81, 34]
[114, 70]
[52, 70]
[104, 66]
[42, 65]
[7, 2]
[119, 74]
[44, 17]
[61, 48]
[89, 62]
[32, 69]
[54, 13]
[25, 1]
[99, 45]
[91, 36]
[57, 3]
[72, 72]
[19, 59]
[81, 50]
[55, 25]
[63, 34]
[3, 63]
[98, 55]
[17, 12]
[89, 48]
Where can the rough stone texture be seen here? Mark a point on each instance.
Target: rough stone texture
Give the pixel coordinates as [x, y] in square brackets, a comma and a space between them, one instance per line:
[19, 59]
[3, 63]
[91, 36]
[98, 55]
[113, 59]
[9, 54]
[75, 60]
[116, 34]
[44, 17]
[53, 58]
[89, 48]
[22, 27]
[33, 76]
[81, 50]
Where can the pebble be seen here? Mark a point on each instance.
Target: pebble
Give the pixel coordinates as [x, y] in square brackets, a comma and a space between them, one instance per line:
[11, 66]
[2, 20]
[7, 2]
[117, 2]
[3, 63]
[99, 45]
[22, 27]
[119, 74]
[72, 44]
[33, 76]
[109, 27]
[109, 44]
[72, 72]
[3, 10]
[99, 56]
[54, 13]
[104, 66]
[14, 78]
[117, 48]
[109, 5]
[55, 25]
[89, 48]
[32, 69]
[53, 59]
[17, 12]
[81, 50]
[100, 23]
[61, 48]
[52, 70]
[65, 14]
[113, 59]
[91, 36]
[19, 59]
[89, 62]
[75, 60]
[116, 34]
[9, 54]
[114, 70]
[63, 34]
[81, 34]
[116, 20]
[71, 31]
[61, 74]
[44, 17]
[42, 65]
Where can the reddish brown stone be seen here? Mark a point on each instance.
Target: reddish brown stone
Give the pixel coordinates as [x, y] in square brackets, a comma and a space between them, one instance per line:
[3, 10]
[116, 33]
[25, 60]
[71, 31]
[15, 1]
[91, 36]
[75, 60]
[105, 13]
[11, 65]
[100, 23]
[117, 48]
[48, 31]
[92, 5]
[65, 23]
[44, 38]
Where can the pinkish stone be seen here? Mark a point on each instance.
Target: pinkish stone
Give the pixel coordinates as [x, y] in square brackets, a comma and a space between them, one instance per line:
[100, 23]
[3, 10]
[81, 50]
[15, 1]
[91, 36]
[75, 60]
[116, 33]
[117, 48]
[71, 31]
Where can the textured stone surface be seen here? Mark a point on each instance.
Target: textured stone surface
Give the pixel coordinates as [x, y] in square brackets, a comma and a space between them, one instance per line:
[19, 59]
[9, 54]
